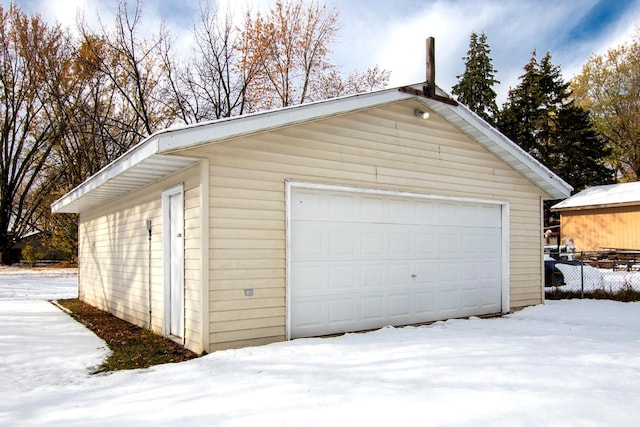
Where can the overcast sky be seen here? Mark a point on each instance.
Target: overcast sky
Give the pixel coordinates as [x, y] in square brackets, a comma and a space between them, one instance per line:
[392, 33]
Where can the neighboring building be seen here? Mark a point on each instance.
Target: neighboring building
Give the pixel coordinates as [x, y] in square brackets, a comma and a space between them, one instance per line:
[342, 215]
[602, 217]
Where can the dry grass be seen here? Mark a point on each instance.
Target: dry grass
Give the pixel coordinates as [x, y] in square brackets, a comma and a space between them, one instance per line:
[132, 347]
[627, 294]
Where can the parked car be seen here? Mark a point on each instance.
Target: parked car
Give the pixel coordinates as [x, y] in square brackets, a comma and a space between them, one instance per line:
[574, 273]
[552, 275]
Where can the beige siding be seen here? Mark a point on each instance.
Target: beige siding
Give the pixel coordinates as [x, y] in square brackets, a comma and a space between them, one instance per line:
[114, 256]
[603, 228]
[385, 148]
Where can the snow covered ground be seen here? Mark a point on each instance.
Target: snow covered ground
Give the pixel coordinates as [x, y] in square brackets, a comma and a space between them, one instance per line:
[617, 280]
[563, 364]
[18, 283]
[598, 278]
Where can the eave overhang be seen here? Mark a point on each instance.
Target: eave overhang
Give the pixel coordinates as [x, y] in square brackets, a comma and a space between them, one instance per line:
[158, 156]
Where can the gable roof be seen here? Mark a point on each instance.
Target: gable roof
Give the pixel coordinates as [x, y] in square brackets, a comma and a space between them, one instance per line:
[602, 196]
[154, 157]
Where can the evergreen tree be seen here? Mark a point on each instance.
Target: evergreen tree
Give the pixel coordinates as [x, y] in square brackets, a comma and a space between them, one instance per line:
[581, 151]
[540, 116]
[475, 85]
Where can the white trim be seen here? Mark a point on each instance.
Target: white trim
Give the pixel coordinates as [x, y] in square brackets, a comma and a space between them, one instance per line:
[505, 230]
[506, 258]
[204, 252]
[287, 273]
[134, 156]
[543, 289]
[166, 258]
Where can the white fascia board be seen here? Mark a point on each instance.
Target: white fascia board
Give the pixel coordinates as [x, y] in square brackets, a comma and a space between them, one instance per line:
[502, 146]
[137, 154]
[192, 136]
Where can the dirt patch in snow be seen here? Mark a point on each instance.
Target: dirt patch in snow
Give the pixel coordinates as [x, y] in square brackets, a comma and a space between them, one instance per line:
[132, 347]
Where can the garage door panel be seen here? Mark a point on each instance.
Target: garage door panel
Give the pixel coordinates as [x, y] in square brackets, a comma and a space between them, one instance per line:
[489, 297]
[341, 311]
[308, 278]
[400, 306]
[469, 272]
[491, 243]
[341, 277]
[400, 211]
[490, 216]
[425, 241]
[448, 244]
[447, 272]
[361, 261]
[308, 206]
[372, 244]
[426, 212]
[490, 271]
[341, 206]
[399, 274]
[308, 313]
[425, 272]
[372, 307]
[447, 300]
[425, 303]
[469, 298]
[308, 243]
[372, 276]
[471, 243]
[399, 244]
[341, 244]
[375, 208]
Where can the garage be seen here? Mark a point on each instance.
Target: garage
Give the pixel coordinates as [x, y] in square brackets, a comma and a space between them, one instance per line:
[341, 215]
[363, 259]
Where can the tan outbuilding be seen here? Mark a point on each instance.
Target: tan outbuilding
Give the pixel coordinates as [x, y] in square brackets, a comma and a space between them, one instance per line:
[602, 217]
[387, 208]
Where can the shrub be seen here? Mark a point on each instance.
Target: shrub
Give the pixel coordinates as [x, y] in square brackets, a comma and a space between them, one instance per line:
[31, 255]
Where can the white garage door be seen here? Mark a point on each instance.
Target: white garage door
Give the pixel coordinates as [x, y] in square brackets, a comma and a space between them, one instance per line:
[361, 261]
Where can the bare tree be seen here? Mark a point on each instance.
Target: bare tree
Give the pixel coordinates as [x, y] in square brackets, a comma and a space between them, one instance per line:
[133, 66]
[214, 83]
[290, 48]
[33, 66]
[333, 84]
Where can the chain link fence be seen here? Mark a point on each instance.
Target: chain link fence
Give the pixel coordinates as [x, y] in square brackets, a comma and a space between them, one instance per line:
[589, 273]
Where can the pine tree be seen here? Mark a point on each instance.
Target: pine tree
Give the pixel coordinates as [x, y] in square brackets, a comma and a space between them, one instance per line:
[581, 151]
[532, 107]
[475, 85]
[541, 117]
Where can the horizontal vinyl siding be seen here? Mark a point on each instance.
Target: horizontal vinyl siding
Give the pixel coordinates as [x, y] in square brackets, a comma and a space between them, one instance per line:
[114, 256]
[192, 265]
[596, 229]
[385, 148]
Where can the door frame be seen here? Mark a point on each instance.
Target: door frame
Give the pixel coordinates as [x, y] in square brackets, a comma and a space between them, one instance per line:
[166, 259]
[505, 221]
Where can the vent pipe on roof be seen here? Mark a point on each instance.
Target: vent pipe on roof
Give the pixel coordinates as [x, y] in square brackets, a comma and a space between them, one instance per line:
[430, 82]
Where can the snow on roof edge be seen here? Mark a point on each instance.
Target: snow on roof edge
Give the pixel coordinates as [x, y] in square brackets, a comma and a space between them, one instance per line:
[611, 194]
